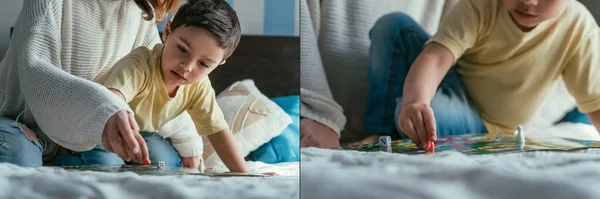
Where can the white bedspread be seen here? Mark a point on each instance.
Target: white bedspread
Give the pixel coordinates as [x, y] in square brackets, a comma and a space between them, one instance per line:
[48, 182]
[352, 174]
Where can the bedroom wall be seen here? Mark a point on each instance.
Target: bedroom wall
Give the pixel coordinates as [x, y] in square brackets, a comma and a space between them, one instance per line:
[268, 17]
[594, 7]
[265, 17]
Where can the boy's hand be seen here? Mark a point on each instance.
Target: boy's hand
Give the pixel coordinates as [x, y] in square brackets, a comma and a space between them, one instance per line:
[270, 174]
[418, 122]
[191, 162]
[121, 136]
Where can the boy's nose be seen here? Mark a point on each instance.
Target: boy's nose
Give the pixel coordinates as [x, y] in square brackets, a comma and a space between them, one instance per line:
[187, 66]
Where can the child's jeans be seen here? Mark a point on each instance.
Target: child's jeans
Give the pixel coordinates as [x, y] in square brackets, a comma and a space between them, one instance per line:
[159, 149]
[396, 41]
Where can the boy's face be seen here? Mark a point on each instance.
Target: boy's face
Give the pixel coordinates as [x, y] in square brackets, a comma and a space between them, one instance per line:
[527, 14]
[189, 55]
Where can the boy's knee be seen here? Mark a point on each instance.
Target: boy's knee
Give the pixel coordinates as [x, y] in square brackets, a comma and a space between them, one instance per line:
[170, 157]
[100, 156]
[391, 23]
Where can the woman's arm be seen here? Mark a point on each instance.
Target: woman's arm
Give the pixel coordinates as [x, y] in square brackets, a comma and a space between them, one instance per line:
[72, 111]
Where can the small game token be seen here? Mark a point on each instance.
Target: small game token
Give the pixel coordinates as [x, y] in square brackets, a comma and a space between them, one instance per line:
[431, 147]
[161, 164]
[201, 168]
[146, 162]
[520, 137]
[385, 143]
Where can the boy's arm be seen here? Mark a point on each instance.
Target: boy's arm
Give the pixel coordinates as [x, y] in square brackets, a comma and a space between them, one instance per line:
[210, 121]
[426, 73]
[581, 75]
[417, 119]
[226, 147]
[117, 92]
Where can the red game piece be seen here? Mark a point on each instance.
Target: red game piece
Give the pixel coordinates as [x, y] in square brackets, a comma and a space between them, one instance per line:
[146, 162]
[431, 147]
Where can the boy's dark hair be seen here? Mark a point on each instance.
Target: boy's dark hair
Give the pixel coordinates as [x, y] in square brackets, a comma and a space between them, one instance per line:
[215, 16]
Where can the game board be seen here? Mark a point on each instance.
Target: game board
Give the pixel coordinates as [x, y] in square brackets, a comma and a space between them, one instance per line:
[485, 144]
[154, 170]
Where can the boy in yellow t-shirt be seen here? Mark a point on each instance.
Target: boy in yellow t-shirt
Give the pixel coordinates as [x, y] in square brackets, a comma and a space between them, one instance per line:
[161, 83]
[506, 55]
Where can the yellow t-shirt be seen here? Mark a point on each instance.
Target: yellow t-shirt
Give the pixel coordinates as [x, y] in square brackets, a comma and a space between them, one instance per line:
[138, 77]
[507, 72]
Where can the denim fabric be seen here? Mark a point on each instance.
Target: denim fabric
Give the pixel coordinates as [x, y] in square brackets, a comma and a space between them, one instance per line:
[15, 147]
[159, 149]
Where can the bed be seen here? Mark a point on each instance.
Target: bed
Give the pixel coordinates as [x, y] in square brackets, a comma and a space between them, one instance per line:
[273, 63]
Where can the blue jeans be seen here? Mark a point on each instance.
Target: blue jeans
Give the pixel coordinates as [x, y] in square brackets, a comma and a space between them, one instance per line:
[396, 41]
[159, 149]
[15, 147]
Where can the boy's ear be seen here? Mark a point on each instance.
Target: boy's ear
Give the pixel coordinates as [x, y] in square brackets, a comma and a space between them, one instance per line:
[167, 31]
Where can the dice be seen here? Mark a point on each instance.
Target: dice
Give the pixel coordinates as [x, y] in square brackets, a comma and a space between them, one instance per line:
[385, 143]
[161, 164]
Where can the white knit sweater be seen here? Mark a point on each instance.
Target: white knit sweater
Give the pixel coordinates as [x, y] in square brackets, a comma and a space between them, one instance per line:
[57, 47]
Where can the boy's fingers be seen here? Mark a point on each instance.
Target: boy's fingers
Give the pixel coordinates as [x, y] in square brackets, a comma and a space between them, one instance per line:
[127, 133]
[420, 128]
[410, 131]
[429, 120]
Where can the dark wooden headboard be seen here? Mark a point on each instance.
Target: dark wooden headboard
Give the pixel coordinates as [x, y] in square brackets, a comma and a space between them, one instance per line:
[273, 62]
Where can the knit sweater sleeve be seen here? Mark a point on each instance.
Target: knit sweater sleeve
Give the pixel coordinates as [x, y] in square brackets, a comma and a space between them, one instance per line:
[70, 110]
[317, 101]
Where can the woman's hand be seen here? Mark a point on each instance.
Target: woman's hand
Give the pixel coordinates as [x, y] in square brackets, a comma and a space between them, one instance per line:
[314, 134]
[121, 136]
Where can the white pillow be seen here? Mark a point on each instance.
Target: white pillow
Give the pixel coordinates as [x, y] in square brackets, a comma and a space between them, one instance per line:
[252, 117]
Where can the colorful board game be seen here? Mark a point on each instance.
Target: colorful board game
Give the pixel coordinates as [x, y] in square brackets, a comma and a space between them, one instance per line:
[484, 144]
[154, 170]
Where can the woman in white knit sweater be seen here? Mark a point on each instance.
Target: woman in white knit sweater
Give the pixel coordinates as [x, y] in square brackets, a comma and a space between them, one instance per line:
[45, 93]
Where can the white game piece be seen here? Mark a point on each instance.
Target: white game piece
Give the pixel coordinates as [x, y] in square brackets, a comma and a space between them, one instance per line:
[161, 164]
[520, 137]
